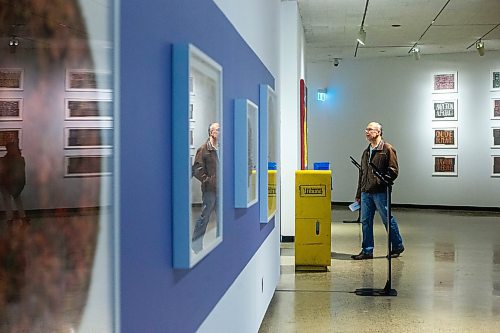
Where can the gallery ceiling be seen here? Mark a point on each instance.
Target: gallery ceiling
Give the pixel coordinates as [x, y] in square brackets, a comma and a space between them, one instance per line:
[394, 27]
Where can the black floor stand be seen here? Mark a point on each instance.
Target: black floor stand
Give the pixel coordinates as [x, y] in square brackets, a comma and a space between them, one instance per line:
[353, 161]
[387, 290]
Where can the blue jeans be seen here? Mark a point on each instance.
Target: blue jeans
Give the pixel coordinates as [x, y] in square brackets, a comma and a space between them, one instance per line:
[369, 203]
[209, 205]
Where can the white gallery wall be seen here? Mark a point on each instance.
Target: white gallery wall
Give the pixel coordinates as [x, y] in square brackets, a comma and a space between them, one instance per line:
[398, 93]
[292, 70]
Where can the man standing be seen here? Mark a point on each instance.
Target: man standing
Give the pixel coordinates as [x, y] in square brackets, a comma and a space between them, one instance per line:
[204, 169]
[373, 193]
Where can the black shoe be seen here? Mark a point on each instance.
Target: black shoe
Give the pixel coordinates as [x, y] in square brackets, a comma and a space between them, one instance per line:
[362, 256]
[396, 253]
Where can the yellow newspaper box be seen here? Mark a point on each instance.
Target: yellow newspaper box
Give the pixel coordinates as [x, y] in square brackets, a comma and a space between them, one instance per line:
[313, 219]
[271, 192]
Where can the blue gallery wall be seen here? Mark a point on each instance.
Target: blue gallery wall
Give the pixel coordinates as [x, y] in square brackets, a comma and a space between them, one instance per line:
[154, 296]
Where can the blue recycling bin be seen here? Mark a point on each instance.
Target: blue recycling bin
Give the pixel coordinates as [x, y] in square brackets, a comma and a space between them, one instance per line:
[322, 166]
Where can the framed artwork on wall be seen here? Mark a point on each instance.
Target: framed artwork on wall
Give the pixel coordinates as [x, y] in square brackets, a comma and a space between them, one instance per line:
[445, 165]
[88, 165]
[10, 135]
[88, 80]
[495, 108]
[11, 78]
[495, 80]
[445, 137]
[445, 82]
[191, 112]
[445, 109]
[88, 137]
[268, 153]
[197, 227]
[11, 109]
[88, 109]
[495, 164]
[191, 86]
[495, 137]
[246, 153]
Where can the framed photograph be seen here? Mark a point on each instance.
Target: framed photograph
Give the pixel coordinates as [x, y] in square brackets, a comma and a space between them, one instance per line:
[445, 165]
[268, 153]
[88, 137]
[495, 80]
[11, 78]
[246, 153]
[495, 163]
[495, 137]
[197, 209]
[88, 165]
[495, 108]
[11, 109]
[445, 137]
[445, 82]
[88, 80]
[445, 109]
[88, 109]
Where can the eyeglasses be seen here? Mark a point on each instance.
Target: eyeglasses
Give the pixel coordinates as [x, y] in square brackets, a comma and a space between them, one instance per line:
[368, 129]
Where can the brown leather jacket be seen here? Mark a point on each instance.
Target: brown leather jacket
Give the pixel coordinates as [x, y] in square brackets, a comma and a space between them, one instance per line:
[205, 167]
[385, 159]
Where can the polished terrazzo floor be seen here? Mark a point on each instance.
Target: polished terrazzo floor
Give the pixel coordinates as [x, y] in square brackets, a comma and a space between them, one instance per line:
[447, 280]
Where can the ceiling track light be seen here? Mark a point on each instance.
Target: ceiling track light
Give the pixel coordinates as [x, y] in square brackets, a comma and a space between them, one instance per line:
[361, 36]
[416, 52]
[480, 47]
[13, 41]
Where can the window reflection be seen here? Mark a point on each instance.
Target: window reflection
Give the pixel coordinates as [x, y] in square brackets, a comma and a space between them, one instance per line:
[273, 132]
[55, 167]
[205, 139]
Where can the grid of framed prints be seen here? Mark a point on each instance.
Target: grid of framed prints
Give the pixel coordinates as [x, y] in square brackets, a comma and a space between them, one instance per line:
[197, 98]
[445, 119]
[495, 120]
[11, 106]
[88, 131]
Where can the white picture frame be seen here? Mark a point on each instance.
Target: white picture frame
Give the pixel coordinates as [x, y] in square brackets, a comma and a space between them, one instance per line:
[194, 72]
[88, 165]
[495, 108]
[10, 135]
[88, 109]
[495, 165]
[88, 80]
[246, 153]
[445, 137]
[445, 82]
[12, 79]
[445, 165]
[268, 153]
[495, 80]
[88, 137]
[495, 137]
[445, 109]
[11, 109]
